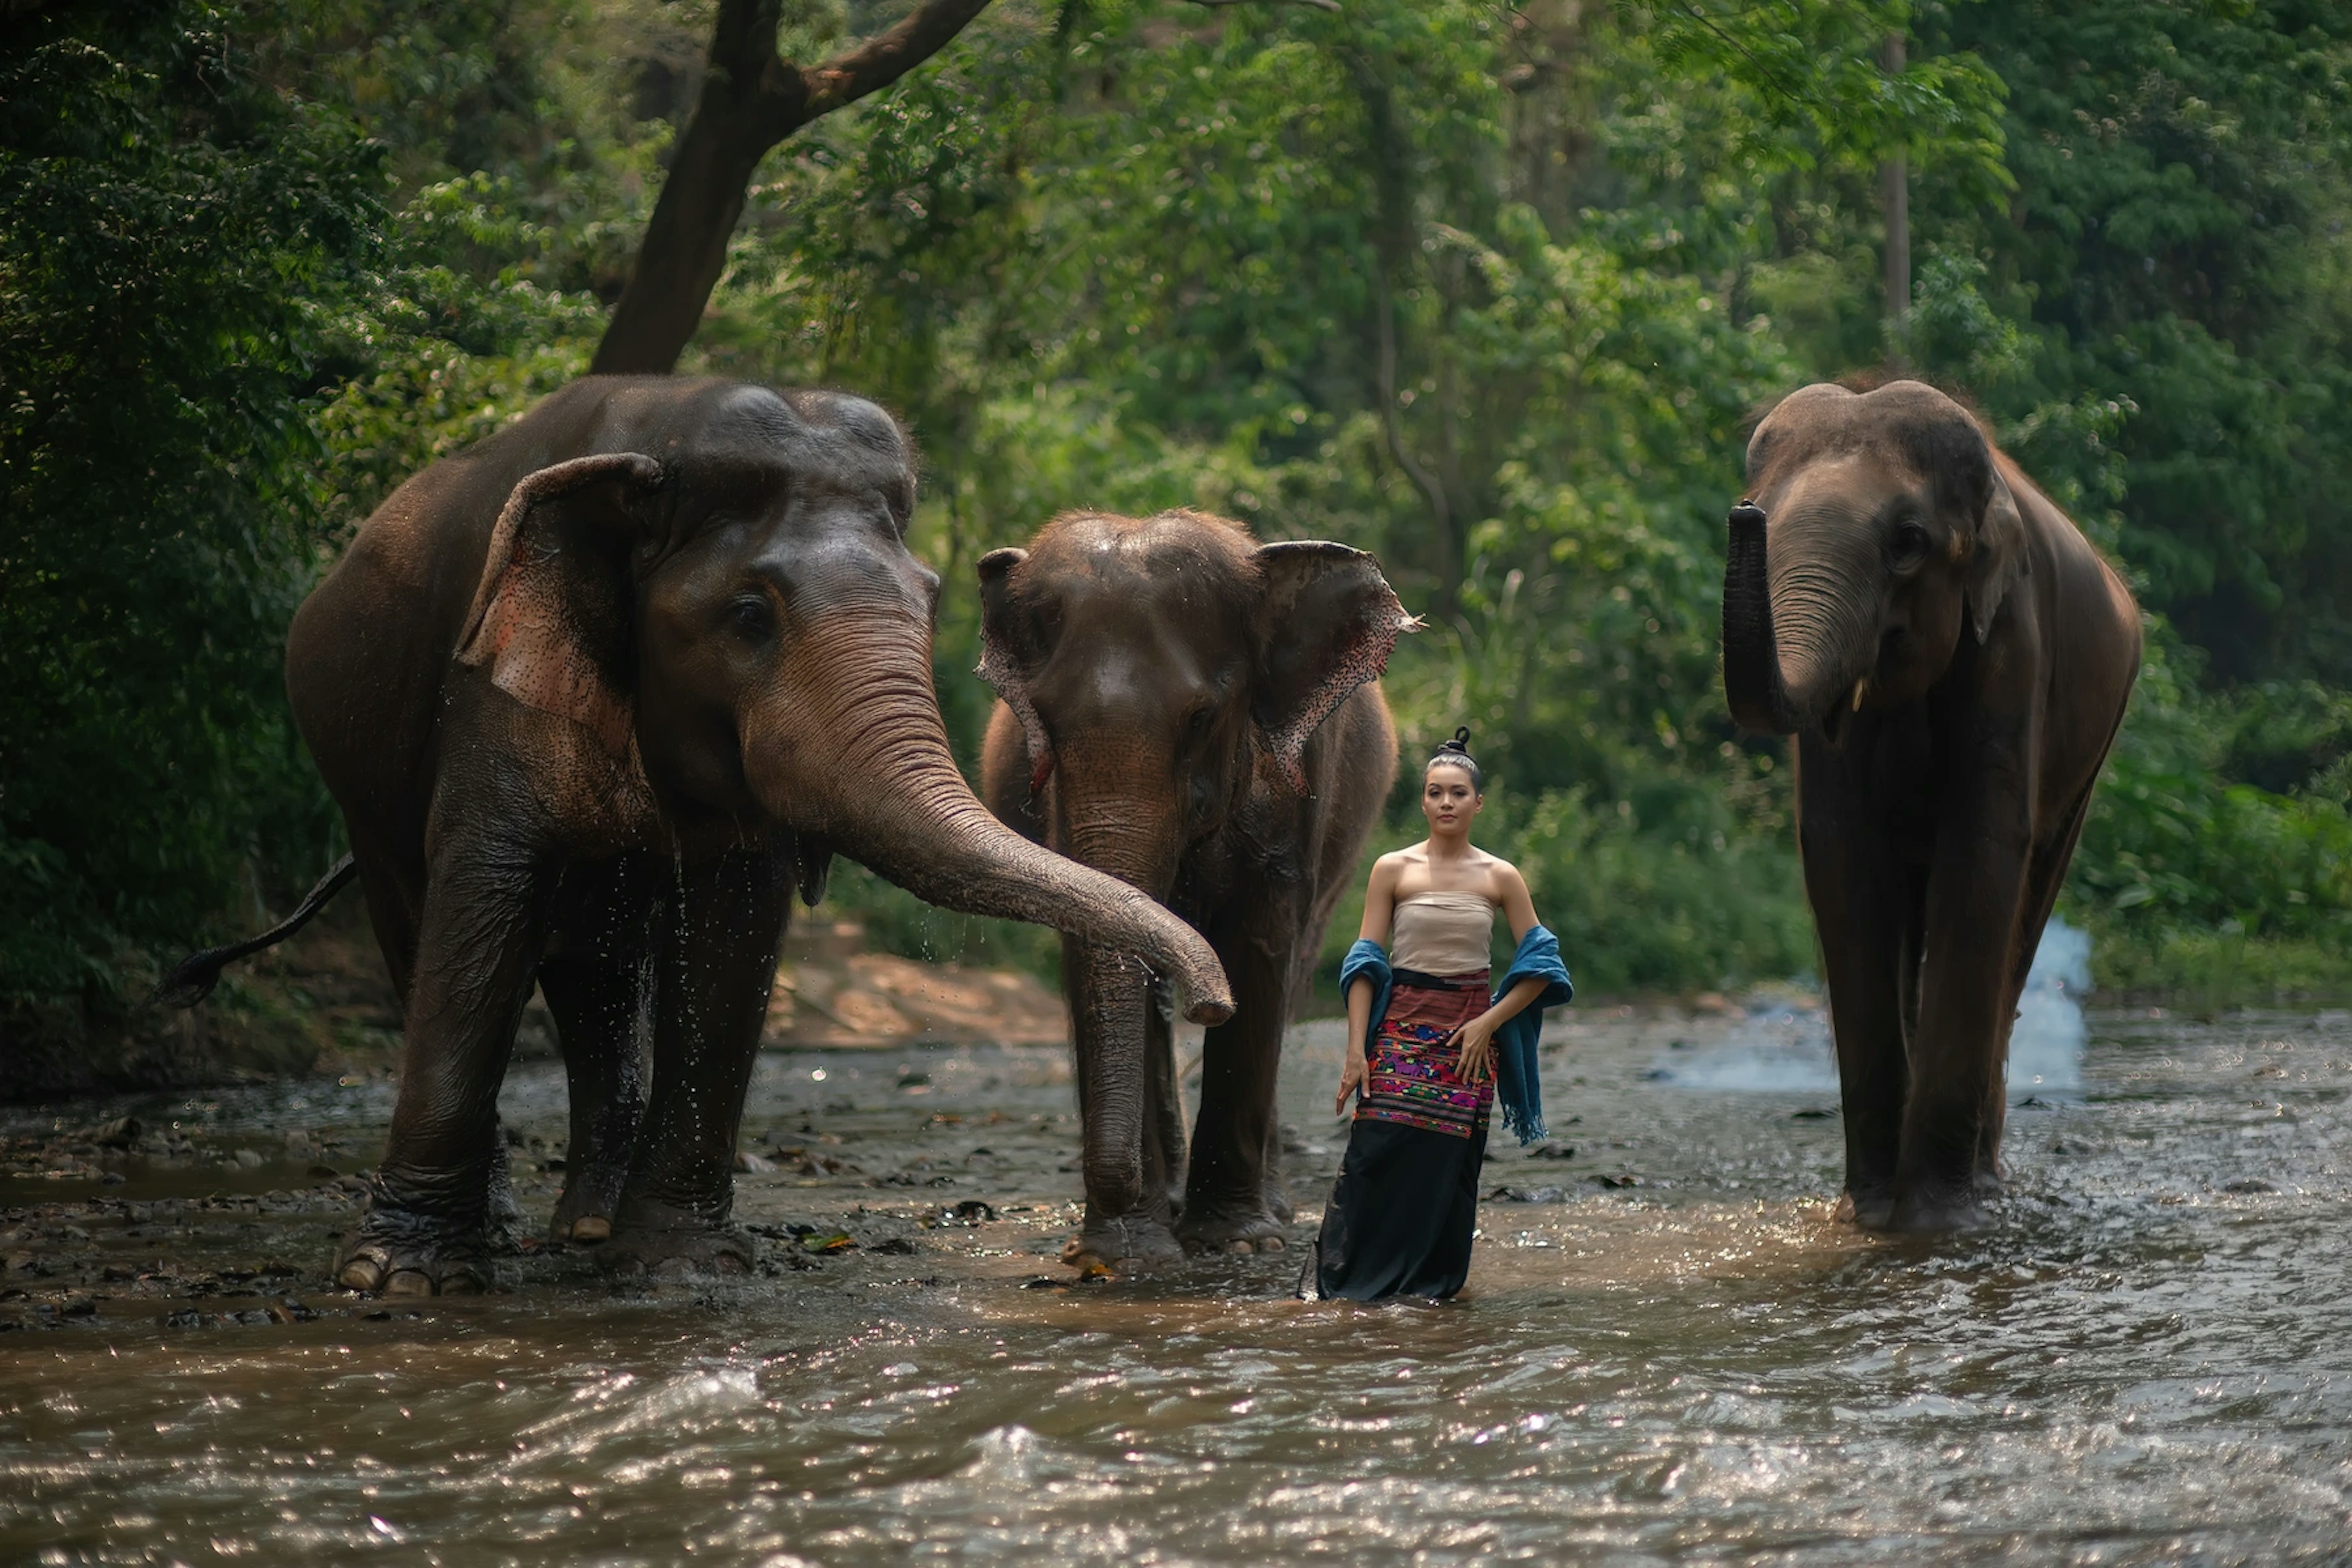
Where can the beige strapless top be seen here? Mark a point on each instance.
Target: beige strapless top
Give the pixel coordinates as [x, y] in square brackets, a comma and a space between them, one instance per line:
[1443, 933]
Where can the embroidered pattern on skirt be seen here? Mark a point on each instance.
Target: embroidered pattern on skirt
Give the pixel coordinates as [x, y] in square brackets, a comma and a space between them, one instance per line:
[1410, 1078]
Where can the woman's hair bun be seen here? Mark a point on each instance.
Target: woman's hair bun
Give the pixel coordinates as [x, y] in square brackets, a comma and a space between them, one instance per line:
[1455, 754]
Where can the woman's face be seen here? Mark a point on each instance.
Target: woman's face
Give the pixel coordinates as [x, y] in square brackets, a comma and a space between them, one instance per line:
[1449, 803]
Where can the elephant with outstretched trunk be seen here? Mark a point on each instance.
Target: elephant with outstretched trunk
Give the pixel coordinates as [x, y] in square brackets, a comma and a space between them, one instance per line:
[1954, 660]
[592, 696]
[1195, 714]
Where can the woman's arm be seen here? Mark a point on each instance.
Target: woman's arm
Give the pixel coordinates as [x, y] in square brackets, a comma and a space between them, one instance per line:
[1380, 901]
[1476, 1038]
[1380, 909]
[1518, 909]
[1352, 1066]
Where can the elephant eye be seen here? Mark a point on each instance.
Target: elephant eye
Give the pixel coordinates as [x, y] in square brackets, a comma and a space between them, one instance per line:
[1909, 545]
[1196, 722]
[750, 615]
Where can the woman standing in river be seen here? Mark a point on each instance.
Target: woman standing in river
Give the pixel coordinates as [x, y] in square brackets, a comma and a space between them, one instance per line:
[1428, 1045]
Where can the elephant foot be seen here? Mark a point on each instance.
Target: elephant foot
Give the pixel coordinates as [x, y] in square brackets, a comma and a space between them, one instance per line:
[582, 1216]
[1936, 1210]
[1112, 1239]
[1870, 1209]
[397, 1253]
[651, 1239]
[1277, 1204]
[1256, 1228]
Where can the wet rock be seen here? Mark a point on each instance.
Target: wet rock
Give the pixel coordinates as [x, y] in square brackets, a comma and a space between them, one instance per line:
[119, 1134]
[1812, 1113]
[79, 1307]
[1658, 1075]
[1552, 1151]
[753, 1165]
[189, 1318]
[897, 1246]
[2249, 1185]
[914, 1079]
[1508, 1194]
[291, 1311]
[250, 1159]
[971, 1211]
[1622, 1180]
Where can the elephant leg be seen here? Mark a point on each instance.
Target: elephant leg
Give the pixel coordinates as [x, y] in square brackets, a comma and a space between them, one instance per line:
[395, 902]
[1975, 906]
[2045, 877]
[477, 949]
[1226, 1205]
[716, 970]
[600, 1006]
[1855, 883]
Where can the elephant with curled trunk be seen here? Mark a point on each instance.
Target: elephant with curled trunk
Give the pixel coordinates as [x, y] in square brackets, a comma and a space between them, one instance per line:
[593, 695]
[1954, 660]
[1193, 713]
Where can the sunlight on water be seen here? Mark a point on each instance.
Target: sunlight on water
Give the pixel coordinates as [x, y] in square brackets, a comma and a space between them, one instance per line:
[1785, 1048]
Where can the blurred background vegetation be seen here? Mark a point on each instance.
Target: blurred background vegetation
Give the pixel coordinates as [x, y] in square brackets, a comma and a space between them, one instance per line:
[1489, 291]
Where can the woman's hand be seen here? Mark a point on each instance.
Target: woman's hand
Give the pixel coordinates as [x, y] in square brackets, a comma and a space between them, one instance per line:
[1474, 1040]
[1352, 1080]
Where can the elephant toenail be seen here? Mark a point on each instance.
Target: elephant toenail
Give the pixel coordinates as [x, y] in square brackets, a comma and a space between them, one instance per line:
[409, 1282]
[360, 1274]
[1239, 1245]
[591, 1228]
[1270, 1244]
[464, 1283]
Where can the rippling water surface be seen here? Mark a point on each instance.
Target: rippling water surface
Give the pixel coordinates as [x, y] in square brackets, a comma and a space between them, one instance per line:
[2151, 1358]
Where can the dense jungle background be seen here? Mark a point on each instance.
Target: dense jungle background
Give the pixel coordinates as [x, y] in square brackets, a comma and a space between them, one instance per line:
[1491, 291]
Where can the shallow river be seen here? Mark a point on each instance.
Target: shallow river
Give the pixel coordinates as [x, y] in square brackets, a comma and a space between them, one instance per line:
[1670, 1354]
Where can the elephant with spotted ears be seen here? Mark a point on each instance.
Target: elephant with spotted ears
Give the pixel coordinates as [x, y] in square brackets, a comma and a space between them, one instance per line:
[1196, 715]
[1954, 660]
[594, 696]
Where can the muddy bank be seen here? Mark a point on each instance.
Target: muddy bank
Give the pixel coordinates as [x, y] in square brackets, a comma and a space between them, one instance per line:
[319, 1007]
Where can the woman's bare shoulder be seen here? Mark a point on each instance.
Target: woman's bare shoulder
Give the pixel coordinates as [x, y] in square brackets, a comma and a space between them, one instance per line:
[1500, 874]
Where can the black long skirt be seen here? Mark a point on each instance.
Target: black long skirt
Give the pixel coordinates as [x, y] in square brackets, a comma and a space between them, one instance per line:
[1402, 1215]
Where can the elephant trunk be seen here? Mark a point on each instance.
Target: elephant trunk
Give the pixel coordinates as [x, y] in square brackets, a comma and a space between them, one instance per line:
[1110, 994]
[1752, 651]
[861, 758]
[1114, 816]
[1797, 637]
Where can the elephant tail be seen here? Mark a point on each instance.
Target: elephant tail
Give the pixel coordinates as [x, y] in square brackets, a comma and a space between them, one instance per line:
[193, 978]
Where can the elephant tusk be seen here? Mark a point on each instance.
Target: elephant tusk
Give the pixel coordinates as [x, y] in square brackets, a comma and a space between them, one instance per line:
[1860, 688]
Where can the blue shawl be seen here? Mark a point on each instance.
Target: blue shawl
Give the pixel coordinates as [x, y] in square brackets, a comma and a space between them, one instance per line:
[1516, 1083]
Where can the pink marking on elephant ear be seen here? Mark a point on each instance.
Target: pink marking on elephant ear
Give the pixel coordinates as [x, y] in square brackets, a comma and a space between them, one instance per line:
[524, 623]
[1363, 630]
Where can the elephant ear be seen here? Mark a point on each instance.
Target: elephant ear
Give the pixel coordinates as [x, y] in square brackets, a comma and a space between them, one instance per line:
[1998, 557]
[1325, 622]
[551, 616]
[1009, 650]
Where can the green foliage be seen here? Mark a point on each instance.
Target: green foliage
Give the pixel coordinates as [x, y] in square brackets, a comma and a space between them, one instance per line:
[173, 238]
[1490, 292]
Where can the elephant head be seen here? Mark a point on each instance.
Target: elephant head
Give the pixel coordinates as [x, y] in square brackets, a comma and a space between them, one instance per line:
[721, 599]
[1878, 526]
[1159, 668]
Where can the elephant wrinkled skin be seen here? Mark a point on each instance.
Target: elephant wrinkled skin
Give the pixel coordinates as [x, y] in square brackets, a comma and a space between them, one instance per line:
[1194, 714]
[593, 695]
[1954, 660]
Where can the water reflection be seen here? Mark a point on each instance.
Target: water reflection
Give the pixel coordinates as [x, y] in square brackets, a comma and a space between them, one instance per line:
[1784, 1046]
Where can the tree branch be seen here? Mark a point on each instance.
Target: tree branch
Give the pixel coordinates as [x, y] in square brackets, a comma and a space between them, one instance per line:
[751, 99]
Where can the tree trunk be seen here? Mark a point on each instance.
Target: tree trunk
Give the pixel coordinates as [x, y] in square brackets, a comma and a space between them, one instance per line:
[1895, 192]
[751, 99]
